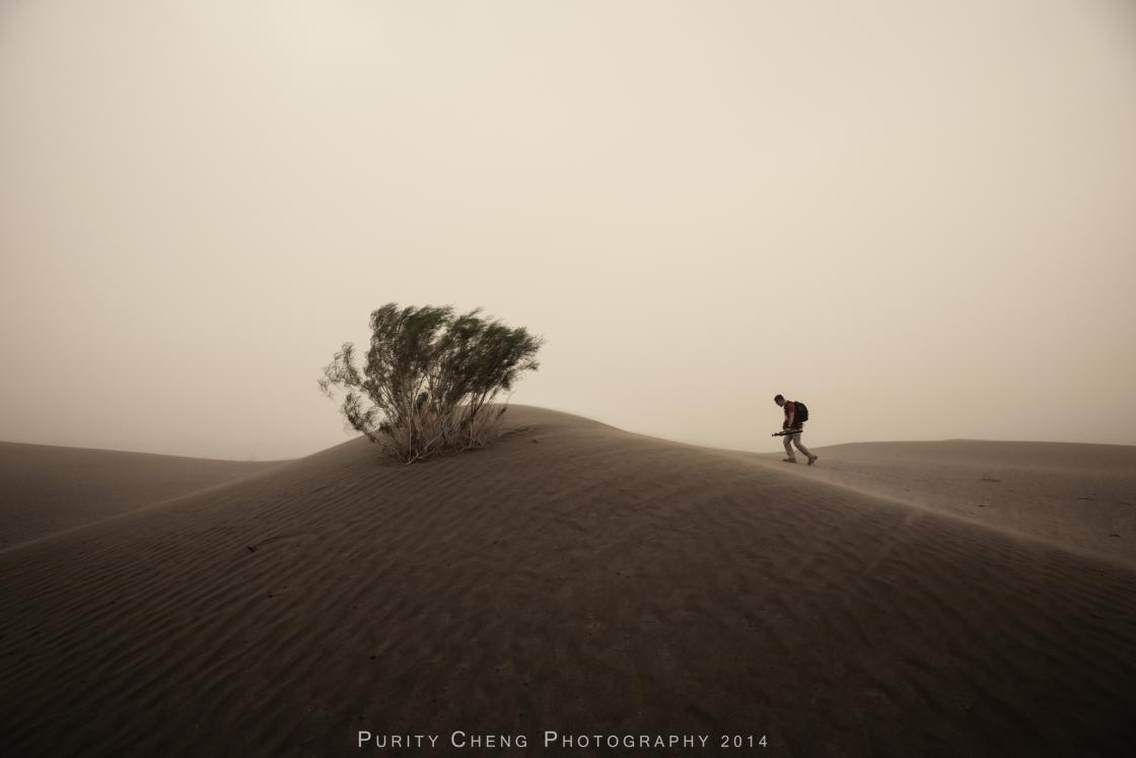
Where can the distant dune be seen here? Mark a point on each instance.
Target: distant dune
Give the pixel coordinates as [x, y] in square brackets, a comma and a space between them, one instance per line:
[577, 578]
[48, 489]
[1081, 497]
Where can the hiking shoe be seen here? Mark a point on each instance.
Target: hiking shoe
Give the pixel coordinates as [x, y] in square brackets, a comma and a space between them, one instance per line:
[789, 460]
[812, 459]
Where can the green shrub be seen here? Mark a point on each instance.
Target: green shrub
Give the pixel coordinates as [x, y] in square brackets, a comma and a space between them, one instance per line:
[430, 378]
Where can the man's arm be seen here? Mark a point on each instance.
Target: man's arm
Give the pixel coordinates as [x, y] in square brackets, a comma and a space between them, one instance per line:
[790, 412]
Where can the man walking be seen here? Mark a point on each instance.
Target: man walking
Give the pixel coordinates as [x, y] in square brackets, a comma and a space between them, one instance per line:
[796, 414]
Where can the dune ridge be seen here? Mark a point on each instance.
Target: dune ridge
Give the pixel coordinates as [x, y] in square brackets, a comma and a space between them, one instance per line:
[573, 577]
[1079, 497]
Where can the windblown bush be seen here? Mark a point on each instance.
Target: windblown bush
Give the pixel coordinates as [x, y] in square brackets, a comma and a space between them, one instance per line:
[430, 378]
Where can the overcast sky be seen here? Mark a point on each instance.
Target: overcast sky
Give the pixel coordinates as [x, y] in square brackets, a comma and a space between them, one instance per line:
[918, 217]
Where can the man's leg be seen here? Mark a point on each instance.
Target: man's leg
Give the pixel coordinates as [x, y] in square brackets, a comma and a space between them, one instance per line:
[797, 441]
[789, 448]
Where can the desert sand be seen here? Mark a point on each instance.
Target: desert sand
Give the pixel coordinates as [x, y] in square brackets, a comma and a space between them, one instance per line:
[48, 489]
[578, 578]
[1080, 497]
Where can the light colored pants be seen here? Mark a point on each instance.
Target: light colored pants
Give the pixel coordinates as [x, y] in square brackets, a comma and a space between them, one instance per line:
[795, 439]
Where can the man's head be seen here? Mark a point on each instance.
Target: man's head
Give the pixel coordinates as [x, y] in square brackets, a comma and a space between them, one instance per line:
[779, 399]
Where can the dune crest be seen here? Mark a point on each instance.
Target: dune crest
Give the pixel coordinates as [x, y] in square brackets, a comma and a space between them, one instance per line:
[1079, 497]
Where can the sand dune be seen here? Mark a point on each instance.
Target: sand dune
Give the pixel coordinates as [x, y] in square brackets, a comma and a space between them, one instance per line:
[48, 489]
[1081, 497]
[575, 578]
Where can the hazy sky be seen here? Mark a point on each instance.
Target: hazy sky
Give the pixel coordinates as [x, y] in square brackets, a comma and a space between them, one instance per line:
[918, 217]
